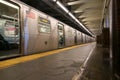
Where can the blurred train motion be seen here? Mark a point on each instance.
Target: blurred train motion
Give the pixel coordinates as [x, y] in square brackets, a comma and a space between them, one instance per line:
[25, 30]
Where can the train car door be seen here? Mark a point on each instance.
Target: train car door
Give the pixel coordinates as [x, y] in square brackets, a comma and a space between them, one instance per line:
[61, 36]
[9, 29]
[81, 38]
[75, 36]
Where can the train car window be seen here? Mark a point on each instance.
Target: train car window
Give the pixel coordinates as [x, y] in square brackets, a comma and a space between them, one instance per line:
[9, 28]
[44, 25]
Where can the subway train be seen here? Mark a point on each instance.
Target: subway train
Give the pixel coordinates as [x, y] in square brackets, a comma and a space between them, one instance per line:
[25, 30]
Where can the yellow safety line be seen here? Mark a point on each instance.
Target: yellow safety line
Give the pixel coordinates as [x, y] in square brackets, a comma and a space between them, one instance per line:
[11, 62]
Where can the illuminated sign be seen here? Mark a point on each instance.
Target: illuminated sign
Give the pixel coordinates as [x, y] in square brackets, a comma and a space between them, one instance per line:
[43, 20]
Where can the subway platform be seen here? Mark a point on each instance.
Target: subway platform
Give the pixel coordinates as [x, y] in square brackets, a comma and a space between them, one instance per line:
[62, 64]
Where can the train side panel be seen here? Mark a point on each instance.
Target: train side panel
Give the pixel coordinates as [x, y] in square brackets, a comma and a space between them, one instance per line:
[69, 36]
[54, 34]
[30, 29]
[79, 37]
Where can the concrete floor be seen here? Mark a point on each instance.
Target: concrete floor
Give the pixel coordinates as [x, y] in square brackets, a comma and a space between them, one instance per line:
[59, 66]
[98, 67]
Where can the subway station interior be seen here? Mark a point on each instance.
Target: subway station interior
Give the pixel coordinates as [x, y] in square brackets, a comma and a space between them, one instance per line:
[59, 40]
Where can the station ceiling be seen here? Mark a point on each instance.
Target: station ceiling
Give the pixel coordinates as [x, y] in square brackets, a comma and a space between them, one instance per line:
[88, 12]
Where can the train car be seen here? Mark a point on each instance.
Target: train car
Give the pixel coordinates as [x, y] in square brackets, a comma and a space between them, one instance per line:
[25, 30]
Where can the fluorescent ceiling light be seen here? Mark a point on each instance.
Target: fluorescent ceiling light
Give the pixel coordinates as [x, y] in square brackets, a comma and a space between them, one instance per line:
[82, 16]
[79, 11]
[74, 2]
[54, 0]
[70, 14]
[85, 28]
[60, 5]
[79, 22]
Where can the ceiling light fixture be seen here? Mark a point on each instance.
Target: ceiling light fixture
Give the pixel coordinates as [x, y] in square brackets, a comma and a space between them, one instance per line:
[71, 15]
[60, 5]
[54, 0]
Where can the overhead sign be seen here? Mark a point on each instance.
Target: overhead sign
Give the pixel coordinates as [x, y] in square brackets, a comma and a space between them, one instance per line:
[43, 20]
